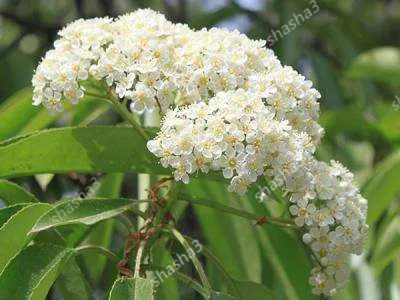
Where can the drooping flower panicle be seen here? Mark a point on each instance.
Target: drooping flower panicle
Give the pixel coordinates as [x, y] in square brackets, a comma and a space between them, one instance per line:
[229, 106]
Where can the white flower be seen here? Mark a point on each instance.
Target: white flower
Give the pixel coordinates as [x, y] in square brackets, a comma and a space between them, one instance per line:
[304, 213]
[142, 98]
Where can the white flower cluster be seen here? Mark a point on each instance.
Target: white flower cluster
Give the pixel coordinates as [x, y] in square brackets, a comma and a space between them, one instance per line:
[157, 64]
[328, 205]
[229, 106]
[236, 133]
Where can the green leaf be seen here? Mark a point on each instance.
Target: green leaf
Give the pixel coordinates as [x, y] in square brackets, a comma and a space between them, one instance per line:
[19, 116]
[388, 246]
[93, 149]
[238, 242]
[88, 111]
[389, 124]
[383, 186]
[247, 291]
[327, 80]
[197, 264]
[253, 291]
[101, 234]
[31, 274]
[85, 211]
[132, 288]
[75, 234]
[221, 296]
[8, 212]
[168, 289]
[285, 253]
[380, 64]
[350, 120]
[15, 233]
[11, 193]
[72, 282]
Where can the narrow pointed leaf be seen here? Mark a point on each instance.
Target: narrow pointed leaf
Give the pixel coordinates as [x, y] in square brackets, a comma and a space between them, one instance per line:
[168, 288]
[85, 211]
[238, 242]
[19, 116]
[11, 193]
[15, 233]
[8, 212]
[72, 282]
[101, 234]
[388, 246]
[383, 186]
[31, 274]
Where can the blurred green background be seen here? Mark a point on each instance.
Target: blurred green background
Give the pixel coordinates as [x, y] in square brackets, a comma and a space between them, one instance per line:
[350, 49]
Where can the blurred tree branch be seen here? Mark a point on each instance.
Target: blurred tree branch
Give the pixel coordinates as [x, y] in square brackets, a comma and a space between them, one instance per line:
[255, 15]
[28, 26]
[31, 25]
[79, 8]
[4, 52]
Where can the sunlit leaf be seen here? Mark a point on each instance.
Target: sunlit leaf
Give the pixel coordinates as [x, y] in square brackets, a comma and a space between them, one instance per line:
[11, 193]
[8, 212]
[100, 148]
[85, 211]
[15, 233]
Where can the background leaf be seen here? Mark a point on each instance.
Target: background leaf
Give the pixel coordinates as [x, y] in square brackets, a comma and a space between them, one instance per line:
[383, 186]
[377, 64]
[18, 115]
[388, 246]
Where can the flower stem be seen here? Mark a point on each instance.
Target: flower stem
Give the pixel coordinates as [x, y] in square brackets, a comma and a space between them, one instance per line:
[128, 116]
[244, 214]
